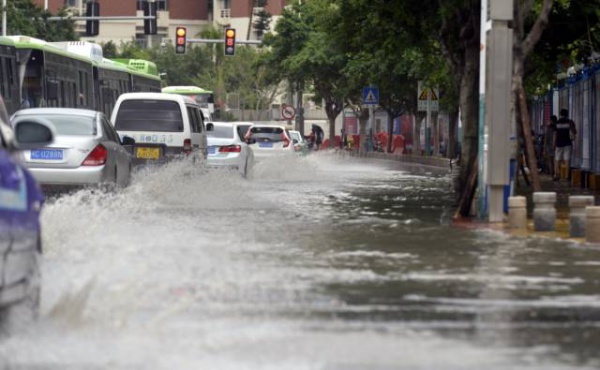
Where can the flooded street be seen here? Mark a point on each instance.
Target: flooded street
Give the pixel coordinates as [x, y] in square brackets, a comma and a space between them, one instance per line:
[318, 262]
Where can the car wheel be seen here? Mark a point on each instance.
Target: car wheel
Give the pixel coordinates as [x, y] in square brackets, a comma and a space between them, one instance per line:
[20, 315]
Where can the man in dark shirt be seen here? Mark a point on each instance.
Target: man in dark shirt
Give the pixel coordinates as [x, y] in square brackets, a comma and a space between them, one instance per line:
[565, 130]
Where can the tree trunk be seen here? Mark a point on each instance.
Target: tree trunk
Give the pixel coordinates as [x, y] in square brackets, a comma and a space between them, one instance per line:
[362, 128]
[452, 124]
[528, 139]
[469, 107]
[331, 131]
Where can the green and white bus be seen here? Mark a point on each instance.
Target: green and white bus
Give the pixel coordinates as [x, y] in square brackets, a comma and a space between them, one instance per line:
[204, 98]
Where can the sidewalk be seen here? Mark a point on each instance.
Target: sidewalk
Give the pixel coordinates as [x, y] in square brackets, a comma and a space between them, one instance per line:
[563, 190]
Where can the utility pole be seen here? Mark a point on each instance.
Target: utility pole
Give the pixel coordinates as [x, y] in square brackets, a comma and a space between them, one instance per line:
[495, 94]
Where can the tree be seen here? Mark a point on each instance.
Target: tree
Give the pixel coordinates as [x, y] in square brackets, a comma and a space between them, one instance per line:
[24, 17]
[524, 43]
[262, 24]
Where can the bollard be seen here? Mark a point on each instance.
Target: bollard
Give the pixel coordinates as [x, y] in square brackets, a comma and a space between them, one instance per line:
[577, 205]
[517, 212]
[592, 224]
[544, 211]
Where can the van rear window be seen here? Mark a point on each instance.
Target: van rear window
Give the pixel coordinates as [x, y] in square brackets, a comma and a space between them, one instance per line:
[149, 115]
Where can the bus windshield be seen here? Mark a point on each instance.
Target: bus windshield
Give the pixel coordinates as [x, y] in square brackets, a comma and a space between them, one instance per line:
[204, 98]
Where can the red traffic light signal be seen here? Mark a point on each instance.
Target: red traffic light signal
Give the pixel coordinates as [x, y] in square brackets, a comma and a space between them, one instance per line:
[230, 41]
[180, 40]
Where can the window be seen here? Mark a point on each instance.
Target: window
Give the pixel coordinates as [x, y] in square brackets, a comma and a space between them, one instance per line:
[273, 134]
[149, 115]
[193, 119]
[160, 5]
[72, 3]
[221, 132]
[110, 131]
[72, 125]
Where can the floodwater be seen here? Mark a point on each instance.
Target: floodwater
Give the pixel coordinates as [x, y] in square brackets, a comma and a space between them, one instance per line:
[320, 262]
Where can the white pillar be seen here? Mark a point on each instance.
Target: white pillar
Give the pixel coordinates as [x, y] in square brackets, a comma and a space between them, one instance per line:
[517, 212]
[544, 211]
[577, 205]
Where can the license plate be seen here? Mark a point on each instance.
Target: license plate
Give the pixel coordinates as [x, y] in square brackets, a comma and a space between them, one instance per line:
[212, 150]
[147, 153]
[47, 154]
[265, 145]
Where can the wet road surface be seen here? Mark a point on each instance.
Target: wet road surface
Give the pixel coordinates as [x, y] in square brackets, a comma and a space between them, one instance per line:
[318, 262]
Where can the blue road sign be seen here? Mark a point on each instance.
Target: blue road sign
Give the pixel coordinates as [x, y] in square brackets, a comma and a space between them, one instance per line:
[370, 95]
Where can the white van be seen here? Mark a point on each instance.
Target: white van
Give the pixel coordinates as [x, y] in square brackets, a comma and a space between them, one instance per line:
[162, 125]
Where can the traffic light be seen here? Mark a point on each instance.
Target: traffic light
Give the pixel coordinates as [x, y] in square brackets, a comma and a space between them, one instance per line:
[180, 40]
[149, 8]
[230, 41]
[92, 27]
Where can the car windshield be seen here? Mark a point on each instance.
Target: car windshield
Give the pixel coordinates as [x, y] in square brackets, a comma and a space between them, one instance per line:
[149, 115]
[225, 132]
[272, 134]
[72, 125]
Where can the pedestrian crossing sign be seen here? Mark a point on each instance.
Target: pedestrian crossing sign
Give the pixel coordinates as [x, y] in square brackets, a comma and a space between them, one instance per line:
[370, 95]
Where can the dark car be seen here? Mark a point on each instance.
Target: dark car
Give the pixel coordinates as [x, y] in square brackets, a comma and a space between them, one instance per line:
[20, 239]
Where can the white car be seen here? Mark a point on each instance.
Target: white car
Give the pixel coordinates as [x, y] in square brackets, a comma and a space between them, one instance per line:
[227, 148]
[164, 126]
[269, 140]
[86, 150]
[300, 144]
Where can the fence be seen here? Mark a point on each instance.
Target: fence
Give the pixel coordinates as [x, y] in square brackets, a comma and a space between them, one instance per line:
[580, 94]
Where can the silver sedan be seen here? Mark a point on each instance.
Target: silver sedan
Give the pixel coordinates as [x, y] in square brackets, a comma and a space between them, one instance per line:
[86, 150]
[226, 147]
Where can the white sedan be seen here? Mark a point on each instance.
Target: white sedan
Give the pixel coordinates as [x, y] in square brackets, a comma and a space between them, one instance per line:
[227, 148]
[86, 150]
[269, 140]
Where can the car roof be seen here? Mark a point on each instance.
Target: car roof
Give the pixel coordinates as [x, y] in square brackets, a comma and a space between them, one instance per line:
[50, 111]
[157, 96]
[267, 125]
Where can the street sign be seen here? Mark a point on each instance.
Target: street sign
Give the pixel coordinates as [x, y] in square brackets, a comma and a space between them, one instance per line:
[429, 96]
[288, 112]
[370, 95]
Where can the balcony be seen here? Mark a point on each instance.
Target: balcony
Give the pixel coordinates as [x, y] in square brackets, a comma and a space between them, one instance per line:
[226, 13]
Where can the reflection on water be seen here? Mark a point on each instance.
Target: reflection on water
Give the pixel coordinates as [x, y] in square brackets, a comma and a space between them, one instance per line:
[317, 262]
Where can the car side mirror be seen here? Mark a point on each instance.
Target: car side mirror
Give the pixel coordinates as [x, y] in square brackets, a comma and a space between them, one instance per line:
[32, 132]
[127, 140]
[210, 127]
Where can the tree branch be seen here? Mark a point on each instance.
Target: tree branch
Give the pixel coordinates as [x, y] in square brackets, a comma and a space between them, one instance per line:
[538, 28]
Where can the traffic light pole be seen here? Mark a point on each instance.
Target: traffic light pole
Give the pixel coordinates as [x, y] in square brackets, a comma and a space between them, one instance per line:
[219, 41]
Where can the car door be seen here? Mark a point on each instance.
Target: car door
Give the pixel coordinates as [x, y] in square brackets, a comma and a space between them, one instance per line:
[122, 158]
[198, 130]
[19, 223]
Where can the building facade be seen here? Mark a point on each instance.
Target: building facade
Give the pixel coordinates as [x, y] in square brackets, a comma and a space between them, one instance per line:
[193, 14]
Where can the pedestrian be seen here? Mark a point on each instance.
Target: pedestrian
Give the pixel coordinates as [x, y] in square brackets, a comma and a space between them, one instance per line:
[563, 141]
[548, 148]
[318, 133]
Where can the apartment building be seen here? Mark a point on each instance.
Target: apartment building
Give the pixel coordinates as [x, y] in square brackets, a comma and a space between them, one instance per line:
[193, 14]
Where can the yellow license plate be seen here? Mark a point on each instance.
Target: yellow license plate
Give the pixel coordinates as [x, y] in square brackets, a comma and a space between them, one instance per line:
[147, 153]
